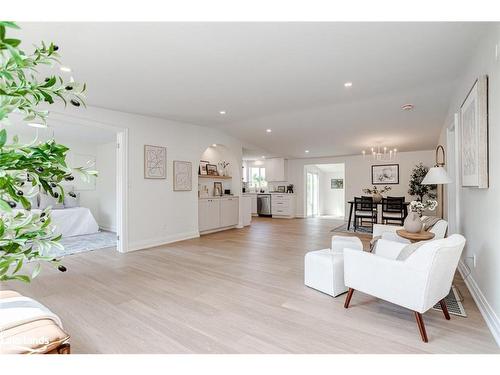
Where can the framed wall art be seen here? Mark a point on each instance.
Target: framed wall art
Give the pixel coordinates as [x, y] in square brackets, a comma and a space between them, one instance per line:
[155, 162]
[183, 177]
[385, 174]
[474, 136]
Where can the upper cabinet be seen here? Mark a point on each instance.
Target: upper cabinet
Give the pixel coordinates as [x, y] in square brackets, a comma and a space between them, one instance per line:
[276, 169]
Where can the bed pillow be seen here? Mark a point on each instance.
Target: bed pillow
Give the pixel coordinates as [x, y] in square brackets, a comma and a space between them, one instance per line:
[47, 200]
[71, 199]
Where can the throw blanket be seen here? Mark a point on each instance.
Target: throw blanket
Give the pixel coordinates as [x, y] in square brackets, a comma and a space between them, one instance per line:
[429, 222]
[16, 311]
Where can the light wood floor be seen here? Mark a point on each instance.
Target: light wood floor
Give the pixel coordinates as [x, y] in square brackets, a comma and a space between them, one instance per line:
[239, 291]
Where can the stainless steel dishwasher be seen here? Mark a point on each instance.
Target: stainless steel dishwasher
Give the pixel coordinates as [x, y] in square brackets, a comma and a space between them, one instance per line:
[264, 204]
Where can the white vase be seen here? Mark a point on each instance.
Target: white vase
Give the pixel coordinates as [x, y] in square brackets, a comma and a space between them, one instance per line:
[377, 198]
[413, 223]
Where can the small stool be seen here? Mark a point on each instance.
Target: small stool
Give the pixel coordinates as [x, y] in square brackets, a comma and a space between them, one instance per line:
[324, 269]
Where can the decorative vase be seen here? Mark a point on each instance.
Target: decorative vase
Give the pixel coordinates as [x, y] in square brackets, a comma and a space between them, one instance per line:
[377, 198]
[413, 223]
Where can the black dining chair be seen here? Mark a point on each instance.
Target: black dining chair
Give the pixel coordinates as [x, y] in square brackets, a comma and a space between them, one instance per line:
[364, 209]
[393, 210]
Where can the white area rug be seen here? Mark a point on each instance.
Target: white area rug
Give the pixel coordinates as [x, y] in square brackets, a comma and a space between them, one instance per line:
[89, 242]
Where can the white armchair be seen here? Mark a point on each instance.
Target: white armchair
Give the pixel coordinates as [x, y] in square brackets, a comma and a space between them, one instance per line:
[388, 232]
[417, 282]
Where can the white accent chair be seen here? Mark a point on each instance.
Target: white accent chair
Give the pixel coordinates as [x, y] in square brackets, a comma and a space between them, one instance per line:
[417, 283]
[388, 232]
[324, 269]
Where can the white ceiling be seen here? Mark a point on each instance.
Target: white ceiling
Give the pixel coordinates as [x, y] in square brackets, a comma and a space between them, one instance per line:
[284, 76]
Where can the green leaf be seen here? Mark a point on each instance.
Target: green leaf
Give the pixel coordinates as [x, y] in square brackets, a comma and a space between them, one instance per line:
[4, 206]
[3, 137]
[12, 42]
[10, 24]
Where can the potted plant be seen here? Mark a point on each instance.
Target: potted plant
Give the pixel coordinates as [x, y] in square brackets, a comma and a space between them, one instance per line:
[416, 188]
[413, 222]
[26, 169]
[377, 193]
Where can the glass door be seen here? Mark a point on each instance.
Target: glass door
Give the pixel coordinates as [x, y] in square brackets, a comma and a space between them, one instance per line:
[312, 194]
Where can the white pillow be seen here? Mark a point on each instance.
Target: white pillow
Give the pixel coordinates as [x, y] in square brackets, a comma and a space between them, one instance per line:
[47, 200]
[69, 201]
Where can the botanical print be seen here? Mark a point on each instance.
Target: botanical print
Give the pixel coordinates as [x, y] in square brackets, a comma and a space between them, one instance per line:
[182, 176]
[337, 183]
[385, 174]
[155, 162]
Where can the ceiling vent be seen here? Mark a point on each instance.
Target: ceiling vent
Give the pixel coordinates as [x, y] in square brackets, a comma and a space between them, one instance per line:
[407, 107]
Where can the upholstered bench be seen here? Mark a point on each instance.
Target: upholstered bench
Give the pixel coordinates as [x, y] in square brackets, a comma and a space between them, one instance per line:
[324, 269]
[40, 336]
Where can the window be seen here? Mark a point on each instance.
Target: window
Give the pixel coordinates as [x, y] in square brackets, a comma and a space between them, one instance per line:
[257, 177]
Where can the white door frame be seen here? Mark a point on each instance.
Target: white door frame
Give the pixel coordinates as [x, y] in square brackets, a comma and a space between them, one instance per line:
[453, 191]
[121, 171]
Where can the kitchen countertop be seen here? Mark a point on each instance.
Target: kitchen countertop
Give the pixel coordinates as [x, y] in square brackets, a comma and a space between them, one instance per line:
[272, 192]
[220, 197]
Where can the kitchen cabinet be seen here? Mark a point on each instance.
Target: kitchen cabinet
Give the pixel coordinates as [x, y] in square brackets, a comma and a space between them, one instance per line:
[229, 212]
[276, 169]
[254, 204]
[283, 205]
[208, 214]
[217, 213]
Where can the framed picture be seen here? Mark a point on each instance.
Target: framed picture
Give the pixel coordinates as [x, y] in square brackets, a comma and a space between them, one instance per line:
[474, 135]
[183, 177]
[337, 183]
[385, 174]
[218, 188]
[212, 170]
[202, 169]
[281, 189]
[155, 162]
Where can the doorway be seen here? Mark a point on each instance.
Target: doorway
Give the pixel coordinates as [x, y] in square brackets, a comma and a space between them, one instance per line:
[325, 190]
[452, 196]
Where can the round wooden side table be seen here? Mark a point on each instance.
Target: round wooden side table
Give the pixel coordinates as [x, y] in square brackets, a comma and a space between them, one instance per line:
[415, 237]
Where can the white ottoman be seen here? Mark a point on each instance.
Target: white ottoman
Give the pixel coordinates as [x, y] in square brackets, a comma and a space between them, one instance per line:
[324, 269]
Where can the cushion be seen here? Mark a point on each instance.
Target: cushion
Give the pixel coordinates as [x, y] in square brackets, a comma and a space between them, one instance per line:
[366, 213]
[47, 200]
[409, 250]
[398, 215]
[70, 202]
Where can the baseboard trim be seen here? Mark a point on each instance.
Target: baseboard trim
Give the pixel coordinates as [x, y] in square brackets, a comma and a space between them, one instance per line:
[487, 312]
[141, 245]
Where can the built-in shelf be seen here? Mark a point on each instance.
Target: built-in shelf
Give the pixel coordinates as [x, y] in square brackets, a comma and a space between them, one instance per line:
[215, 177]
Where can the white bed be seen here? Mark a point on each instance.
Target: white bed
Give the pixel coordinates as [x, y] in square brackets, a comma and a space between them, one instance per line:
[75, 221]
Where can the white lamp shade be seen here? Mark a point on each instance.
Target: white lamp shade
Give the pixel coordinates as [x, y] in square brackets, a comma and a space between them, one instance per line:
[436, 176]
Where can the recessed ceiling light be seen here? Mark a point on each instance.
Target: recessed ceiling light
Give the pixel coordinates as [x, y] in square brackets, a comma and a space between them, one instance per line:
[263, 157]
[222, 112]
[307, 151]
[65, 69]
[348, 84]
[407, 107]
[214, 144]
[269, 130]
[37, 125]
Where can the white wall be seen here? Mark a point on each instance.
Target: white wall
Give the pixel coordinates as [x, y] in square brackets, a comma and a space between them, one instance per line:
[357, 174]
[106, 185]
[479, 208]
[157, 214]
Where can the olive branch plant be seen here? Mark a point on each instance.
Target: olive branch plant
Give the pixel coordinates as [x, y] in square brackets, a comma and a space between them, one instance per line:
[26, 169]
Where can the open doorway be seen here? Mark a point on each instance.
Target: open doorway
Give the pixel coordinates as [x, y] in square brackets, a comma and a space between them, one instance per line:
[325, 190]
[89, 218]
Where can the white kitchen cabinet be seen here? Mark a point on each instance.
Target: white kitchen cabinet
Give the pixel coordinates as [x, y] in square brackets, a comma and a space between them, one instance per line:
[229, 211]
[254, 204]
[246, 210]
[275, 169]
[208, 214]
[217, 213]
[283, 205]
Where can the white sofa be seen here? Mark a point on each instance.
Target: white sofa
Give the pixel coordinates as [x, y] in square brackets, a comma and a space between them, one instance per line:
[417, 282]
[324, 269]
[388, 232]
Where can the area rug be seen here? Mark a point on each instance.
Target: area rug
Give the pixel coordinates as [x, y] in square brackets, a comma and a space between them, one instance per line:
[343, 229]
[88, 242]
[453, 302]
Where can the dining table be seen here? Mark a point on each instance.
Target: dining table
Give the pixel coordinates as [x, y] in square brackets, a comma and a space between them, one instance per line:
[351, 205]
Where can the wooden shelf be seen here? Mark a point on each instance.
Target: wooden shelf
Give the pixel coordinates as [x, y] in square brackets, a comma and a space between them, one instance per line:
[214, 177]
